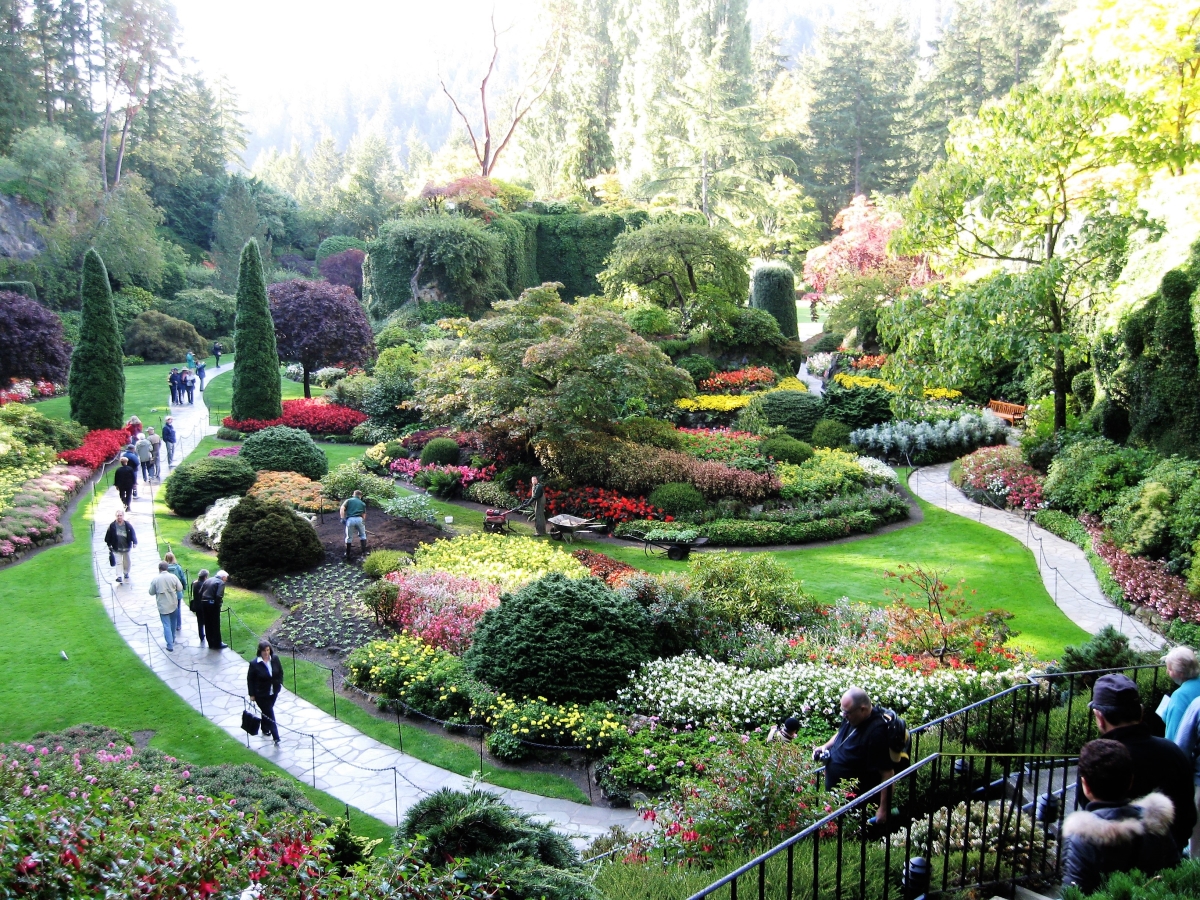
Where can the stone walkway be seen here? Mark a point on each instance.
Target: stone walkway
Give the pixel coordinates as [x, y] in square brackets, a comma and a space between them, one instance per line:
[1065, 570]
[317, 748]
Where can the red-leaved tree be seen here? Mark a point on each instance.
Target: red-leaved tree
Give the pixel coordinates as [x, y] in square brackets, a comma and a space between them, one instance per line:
[319, 324]
[345, 268]
[861, 249]
[31, 341]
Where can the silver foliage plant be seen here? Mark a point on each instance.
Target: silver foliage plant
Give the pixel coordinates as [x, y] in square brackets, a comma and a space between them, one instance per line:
[946, 438]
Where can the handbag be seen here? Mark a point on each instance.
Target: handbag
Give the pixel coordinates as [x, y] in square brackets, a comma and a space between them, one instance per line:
[112, 558]
[250, 722]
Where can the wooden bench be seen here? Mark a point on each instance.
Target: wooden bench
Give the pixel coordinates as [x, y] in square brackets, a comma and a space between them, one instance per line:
[1012, 413]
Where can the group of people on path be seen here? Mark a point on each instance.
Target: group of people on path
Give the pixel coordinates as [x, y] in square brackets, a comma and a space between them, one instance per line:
[143, 453]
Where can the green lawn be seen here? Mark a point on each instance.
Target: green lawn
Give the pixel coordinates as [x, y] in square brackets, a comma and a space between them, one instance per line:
[1002, 571]
[51, 607]
[219, 394]
[146, 396]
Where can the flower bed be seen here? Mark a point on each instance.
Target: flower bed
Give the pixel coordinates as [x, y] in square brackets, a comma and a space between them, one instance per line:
[225, 451]
[439, 609]
[740, 380]
[863, 381]
[714, 403]
[291, 488]
[511, 562]
[723, 445]
[314, 415]
[598, 503]
[759, 533]
[1000, 472]
[21, 390]
[427, 476]
[99, 447]
[869, 362]
[1145, 582]
[611, 571]
[33, 515]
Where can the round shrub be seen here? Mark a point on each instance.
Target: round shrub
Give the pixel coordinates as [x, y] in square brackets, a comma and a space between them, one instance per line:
[264, 539]
[830, 433]
[699, 367]
[648, 320]
[797, 412]
[159, 338]
[283, 449]
[677, 499]
[827, 342]
[566, 639]
[785, 448]
[652, 431]
[229, 434]
[379, 562]
[338, 243]
[195, 486]
[440, 452]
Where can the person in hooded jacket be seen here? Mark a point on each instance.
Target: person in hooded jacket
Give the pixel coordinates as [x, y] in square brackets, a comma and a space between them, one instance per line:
[1114, 833]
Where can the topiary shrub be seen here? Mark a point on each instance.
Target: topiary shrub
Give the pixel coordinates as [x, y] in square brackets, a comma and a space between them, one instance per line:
[338, 243]
[773, 288]
[699, 367]
[159, 338]
[283, 449]
[264, 539]
[677, 499]
[859, 407]
[830, 433]
[440, 452]
[797, 412]
[785, 448]
[195, 486]
[563, 638]
[229, 434]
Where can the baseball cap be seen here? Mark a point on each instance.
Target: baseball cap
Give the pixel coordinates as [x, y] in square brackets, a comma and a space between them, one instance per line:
[1118, 693]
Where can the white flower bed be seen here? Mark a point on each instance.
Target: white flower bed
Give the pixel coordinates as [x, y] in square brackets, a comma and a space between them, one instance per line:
[703, 692]
[207, 528]
[880, 472]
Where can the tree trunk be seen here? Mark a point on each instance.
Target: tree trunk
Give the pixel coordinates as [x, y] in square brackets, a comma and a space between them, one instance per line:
[121, 149]
[307, 388]
[104, 146]
[1061, 386]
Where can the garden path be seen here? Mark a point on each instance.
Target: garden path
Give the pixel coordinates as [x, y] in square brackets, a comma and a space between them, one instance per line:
[814, 382]
[1064, 567]
[317, 748]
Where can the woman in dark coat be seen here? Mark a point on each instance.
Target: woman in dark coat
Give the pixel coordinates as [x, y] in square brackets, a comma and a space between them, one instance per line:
[264, 681]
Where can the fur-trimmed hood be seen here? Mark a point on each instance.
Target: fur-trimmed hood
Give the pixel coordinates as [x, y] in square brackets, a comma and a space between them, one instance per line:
[1153, 814]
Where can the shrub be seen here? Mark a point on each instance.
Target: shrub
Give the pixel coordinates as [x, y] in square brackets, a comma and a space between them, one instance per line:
[209, 525]
[351, 391]
[1088, 475]
[380, 562]
[830, 473]
[750, 329]
[225, 433]
[511, 562]
[290, 488]
[1169, 884]
[567, 639]
[648, 430]
[1106, 649]
[97, 380]
[785, 448]
[283, 449]
[740, 588]
[1064, 526]
[256, 391]
[414, 507]
[677, 499]
[158, 338]
[797, 412]
[352, 476]
[31, 343]
[858, 407]
[194, 486]
[345, 268]
[209, 311]
[699, 367]
[649, 320]
[926, 443]
[827, 342]
[338, 243]
[440, 452]
[437, 608]
[29, 425]
[265, 539]
[489, 493]
[831, 434]
[99, 446]
[773, 288]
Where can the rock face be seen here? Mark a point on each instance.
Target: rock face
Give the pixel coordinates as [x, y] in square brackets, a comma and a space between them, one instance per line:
[18, 237]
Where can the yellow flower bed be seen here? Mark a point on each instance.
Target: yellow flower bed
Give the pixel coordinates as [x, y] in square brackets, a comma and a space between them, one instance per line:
[942, 394]
[863, 381]
[293, 489]
[511, 562]
[791, 383]
[719, 403]
[542, 722]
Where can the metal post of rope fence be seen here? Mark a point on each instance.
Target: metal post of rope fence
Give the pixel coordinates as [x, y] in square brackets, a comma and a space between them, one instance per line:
[199, 693]
[295, 689]
[399, 730]
[229, 626]
[147, 627]
[314, 757]
[333, 690]
[396, 794]
[481, 750]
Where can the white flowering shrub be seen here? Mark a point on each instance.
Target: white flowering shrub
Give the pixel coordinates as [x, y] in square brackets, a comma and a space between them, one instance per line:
[690, 690]
[930, 442]
[207, 528]
[327, 376]
[294, 372]
[880, 473]
[412, 506]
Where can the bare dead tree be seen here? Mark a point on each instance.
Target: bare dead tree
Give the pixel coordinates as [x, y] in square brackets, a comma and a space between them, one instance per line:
[487, 151]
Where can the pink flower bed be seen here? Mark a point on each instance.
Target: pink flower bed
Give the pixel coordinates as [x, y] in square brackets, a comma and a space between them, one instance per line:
[411, 468]
[225, 451]
[722, 445]
[1001, 471]
[22, 389]
[314, 415]
[34, 513]
[1145, 582]
[441, 609]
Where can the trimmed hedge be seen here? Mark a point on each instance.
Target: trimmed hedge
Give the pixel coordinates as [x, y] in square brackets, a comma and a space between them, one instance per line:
[760, 533]
[284, 449]
[830, 433]
[339, 243]
[677, 499]
[859, 407]
[797, 412]
[785, 448]
[440, 452]
[256, 390]
[195, 486]
[567, 639]
[264, 539]
[773, 288]
[572, 248]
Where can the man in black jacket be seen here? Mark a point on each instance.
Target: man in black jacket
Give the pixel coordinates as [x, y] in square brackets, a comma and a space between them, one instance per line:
[264, 680]
[212, 595]
[1158, 765]
[125, 480]
[121, 539]
[537, 505]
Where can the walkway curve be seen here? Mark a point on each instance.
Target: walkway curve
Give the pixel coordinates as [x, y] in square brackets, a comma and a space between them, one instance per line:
[317, 748]
[1064, 568]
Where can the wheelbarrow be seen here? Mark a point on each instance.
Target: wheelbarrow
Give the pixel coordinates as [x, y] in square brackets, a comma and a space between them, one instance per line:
[670, 548]
[565, 528]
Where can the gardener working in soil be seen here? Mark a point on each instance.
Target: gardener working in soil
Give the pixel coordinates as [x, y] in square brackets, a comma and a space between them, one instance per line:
[859, 751]
[353, 514]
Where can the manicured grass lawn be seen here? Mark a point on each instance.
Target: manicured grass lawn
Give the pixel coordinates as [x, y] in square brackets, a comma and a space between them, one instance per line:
[219, 394]
[51, 606]
[146, 396]
[1002, 572]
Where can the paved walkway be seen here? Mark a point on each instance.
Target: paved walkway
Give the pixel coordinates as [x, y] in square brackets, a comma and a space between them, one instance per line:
[1065, 569]
[317, 748]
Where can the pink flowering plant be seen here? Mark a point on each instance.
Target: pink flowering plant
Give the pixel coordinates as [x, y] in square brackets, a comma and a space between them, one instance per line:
[999, 473]
[438, 608]
[1144, 582]
[33, 515]
[21, 390]
[225, 451]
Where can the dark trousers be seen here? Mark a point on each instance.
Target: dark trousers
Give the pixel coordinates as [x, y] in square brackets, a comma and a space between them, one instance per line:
[147, 469]
[174, 395]
[218, 356]
[210, 623]
[266, 705]
[190, 392]
[126, 495]
[199, 611]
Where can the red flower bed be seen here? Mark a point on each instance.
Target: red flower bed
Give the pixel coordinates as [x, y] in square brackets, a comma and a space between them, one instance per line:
[1001, 471]
[611, 571]
[598, 503]
[740, 380]
[869, 362]
[312, 415]
[1145, 582]
[99, 447]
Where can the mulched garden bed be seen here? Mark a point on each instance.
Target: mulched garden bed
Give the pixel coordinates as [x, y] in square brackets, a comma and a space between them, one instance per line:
[383, 533]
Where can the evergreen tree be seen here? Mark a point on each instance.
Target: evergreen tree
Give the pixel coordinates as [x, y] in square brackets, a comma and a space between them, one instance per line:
[256, 392]
[97, 380]
[773, 288]
[17, 85]
[237, 222]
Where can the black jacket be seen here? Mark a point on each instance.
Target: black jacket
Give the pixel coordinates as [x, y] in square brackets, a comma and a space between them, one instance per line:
[258, 684]
[1115, 837]
[110, 537]
[1159, 765]
[125, 477]
[213, 591]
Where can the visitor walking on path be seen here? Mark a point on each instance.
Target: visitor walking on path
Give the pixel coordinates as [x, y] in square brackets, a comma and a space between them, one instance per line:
[200, 374]
[125, 480]
[121, 539]
[212, 595]
[353, 514]
[217, 351]
[173, 383]
[144, 454]
[177, 570]
[166, 590]
[168, 436]
[197, 604]
[191, 360]
[264, 680]
[155, 451]
[188, 381]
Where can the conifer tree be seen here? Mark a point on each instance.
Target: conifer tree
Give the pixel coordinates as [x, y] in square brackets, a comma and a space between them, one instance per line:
[97, 380]
[238, 221]
[256, 365]
[773, 288]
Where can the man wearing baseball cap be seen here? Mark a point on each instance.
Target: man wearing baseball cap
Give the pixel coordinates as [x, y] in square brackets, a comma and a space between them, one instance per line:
[1158, 765]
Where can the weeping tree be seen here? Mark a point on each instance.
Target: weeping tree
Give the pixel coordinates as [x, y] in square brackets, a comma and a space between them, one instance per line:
[97, 380]
[256, 391]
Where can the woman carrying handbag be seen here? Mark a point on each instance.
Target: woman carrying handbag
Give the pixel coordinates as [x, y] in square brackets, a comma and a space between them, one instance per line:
[264, 681]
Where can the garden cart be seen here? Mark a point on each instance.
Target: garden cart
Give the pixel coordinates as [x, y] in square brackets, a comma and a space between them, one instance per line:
[496, 521]
[671, 548]
[565, 528]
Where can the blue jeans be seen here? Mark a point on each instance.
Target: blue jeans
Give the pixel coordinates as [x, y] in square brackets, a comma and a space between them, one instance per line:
[177, 617]
[168, 624]
[355, 525]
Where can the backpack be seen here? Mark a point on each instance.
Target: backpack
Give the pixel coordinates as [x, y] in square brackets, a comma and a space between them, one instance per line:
[899, 742]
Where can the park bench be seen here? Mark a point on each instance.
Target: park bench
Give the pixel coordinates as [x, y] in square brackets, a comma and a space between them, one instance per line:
[1012, 413]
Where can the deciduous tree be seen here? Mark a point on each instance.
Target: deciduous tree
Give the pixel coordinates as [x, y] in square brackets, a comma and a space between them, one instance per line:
[31, 342]
[319, 324]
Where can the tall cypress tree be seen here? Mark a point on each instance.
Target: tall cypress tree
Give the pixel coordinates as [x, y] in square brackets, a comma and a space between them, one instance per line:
[97, 380]
[773, 288]
[256, 365]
